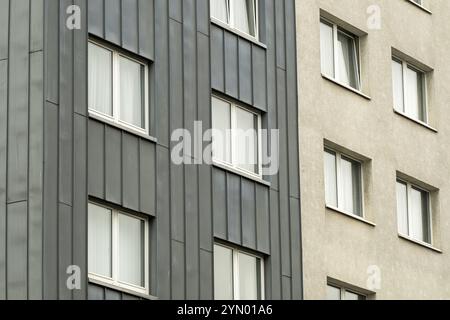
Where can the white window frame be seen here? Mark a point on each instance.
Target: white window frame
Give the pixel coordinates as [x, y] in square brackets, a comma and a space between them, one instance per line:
[405, 66]
[230, 17]
[343, 292]
[233, 122]
[409, 188]
[114, 281]
[340, 195]
[235, 255]
[357, 53]
[116, 54]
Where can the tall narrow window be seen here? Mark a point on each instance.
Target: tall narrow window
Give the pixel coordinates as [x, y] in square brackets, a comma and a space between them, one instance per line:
[236, 141]
[409, 90]
[118, 87]
[343, 183]
[413, 211]
[339, 52]
[117, 248]
[238, 14]
[237, 275]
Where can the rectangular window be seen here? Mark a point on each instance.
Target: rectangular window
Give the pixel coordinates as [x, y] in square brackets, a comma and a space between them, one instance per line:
[118, 87]
[338, 293]
[118, 248]
[414, 212]
[237, 274]
[339, 53]
[343, 183]
[238, 14]
[236, 136]
[409, 90]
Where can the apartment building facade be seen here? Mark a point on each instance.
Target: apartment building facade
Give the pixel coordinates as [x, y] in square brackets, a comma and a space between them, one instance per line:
[93, 204]
[373, 78]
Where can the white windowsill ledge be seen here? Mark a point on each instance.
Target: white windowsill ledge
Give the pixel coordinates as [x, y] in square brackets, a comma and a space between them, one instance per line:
[350, 215]
[423, 124]
[342, 85]
[420, 243]
[123, 290]
[123, 128]
[419, 6]
[241, 173]
[239, 33]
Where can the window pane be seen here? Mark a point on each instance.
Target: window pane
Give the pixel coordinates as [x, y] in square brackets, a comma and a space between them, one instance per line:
[131, 93]
[351, 186]
[223, 273]
[330, 179]
[131, 250]
[249, 275]
[100, 79]
[219, 10]
[402, 208]
[353, 296]
[333, 293]
[397, 82]
[347, 72]
[327, 49]
[243, 12]
[414, 94]
[246, 140]
[419, 216]
[221, 123]
[99, 241]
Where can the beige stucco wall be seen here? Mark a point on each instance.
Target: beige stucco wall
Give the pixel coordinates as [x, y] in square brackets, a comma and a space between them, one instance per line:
[335, 245]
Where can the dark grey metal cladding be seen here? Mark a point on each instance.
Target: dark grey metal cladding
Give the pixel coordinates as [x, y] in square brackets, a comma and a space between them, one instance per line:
[64, 150]
[38, 86]
[247, 213]
[45, 152]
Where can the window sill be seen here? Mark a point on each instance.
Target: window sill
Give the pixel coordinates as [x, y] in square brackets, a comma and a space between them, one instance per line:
[420, 243]
[346, 87]
[239, 33]
[423, 124]
[123, 290]
[350, 215]
[419, 6]
[241, 173]
[122, 127]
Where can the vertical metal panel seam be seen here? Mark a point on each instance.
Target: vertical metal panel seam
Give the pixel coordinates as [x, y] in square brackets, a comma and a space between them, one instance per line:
[58, 156]
[28, 153]
[6, 149]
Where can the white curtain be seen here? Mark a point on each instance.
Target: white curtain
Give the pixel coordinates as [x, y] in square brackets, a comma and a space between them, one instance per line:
[219, 10]
[351, 186]
[347, 62]
[99, 241]
[347, 186]
[330, 179]
[131, 93]
[248, 277]
[333, 293]
[221, 124]
[243, 12]
[397, 85]
[246, 140]
[419, 216]
[327, 49]
[223, 273]
[131, 250]
[402, 208]
[414, 101]
[100, 79]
